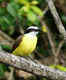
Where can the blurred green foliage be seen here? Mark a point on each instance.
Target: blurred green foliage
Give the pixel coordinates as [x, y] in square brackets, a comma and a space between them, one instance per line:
[59, 67]
[23, 12]
[6, 47]
[3, 68]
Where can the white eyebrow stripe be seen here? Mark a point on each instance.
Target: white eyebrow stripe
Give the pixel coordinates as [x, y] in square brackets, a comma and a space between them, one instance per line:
[33, 27]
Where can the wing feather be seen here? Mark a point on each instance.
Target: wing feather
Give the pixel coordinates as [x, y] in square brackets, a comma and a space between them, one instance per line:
[17, 42]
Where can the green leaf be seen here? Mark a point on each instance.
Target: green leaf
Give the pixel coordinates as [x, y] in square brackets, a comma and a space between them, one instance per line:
[6, 47]
[34, 2]
[37, 10]
[63, 18]
[43, 79]
[11, 10]
[1, 0]
[31, 16]
[22, 1]
[2, 70]
[23, 10]
[6, 20]
[3, 24]
[60, 67]
[2, 11]
[1, 20]
[52, 66]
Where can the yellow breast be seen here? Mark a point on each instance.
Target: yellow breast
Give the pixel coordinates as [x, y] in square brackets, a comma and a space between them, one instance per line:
[27, 46]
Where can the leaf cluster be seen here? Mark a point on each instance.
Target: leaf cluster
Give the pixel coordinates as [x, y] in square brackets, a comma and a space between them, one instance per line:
[22, 12]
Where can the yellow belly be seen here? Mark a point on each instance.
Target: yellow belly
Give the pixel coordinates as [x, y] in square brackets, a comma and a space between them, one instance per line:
[26, 47]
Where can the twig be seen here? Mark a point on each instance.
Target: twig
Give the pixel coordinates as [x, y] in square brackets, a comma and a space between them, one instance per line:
[6, 37]
[60, 28]
[53, 48]
[56, 18]
[59, 47]
[49, 36]
[30, 66]
[11, 76]
[58, 52]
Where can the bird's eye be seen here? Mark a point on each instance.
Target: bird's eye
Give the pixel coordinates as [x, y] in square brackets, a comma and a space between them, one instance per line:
[31, 30]
[27, 31]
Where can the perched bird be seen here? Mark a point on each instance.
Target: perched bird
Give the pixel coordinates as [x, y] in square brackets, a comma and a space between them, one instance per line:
[25, 45]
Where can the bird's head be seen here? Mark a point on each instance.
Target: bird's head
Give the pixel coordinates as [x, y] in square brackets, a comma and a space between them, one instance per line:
[32, 29]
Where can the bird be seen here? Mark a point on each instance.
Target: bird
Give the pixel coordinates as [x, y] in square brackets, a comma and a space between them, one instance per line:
[25, 45]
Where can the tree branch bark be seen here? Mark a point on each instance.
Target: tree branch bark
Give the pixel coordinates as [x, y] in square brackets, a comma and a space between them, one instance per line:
[56, 18]
[31, 67]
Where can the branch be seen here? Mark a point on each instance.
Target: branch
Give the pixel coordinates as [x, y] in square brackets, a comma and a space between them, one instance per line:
[6, 37]
[59, 48]
[30, 66]
[56, 18]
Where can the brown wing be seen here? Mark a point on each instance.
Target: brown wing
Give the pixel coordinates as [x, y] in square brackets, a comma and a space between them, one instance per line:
[17, 42]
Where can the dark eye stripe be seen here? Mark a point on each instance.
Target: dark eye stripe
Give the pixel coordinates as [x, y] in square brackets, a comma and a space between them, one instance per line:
[30, 30]
[34, 29]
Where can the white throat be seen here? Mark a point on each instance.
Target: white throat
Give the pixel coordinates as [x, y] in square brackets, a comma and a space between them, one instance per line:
[32, 34]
